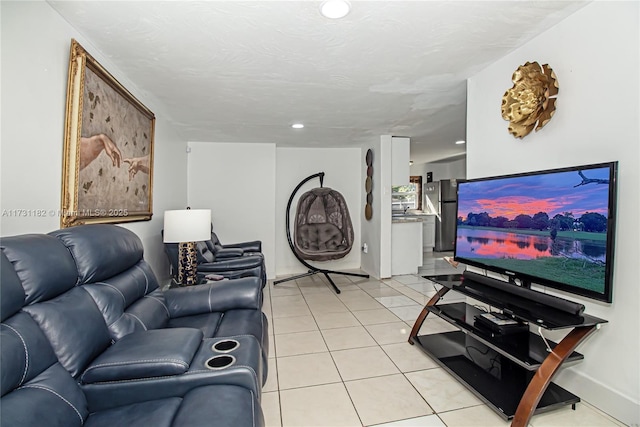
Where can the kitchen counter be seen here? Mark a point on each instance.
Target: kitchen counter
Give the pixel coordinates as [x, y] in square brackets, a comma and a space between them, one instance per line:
[428, 221]
[407, 218]
[406, 245]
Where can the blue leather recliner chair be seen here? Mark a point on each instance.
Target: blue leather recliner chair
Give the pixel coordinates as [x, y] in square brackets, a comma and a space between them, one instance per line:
[230, 261]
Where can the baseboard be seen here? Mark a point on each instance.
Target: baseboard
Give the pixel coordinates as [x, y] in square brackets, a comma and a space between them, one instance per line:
[613, 403]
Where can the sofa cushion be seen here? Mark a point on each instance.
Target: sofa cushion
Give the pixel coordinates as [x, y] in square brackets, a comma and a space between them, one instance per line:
[43, 264]
[203, 253]
[25, 351]
[156, 413]
[216, 405]
[11, 293]
[207, 323]
[145, 354]
[232, 406]
[150, 311]
[74, 326]
[101, 251]
[52, 398]
[246, 322]
[130, 301]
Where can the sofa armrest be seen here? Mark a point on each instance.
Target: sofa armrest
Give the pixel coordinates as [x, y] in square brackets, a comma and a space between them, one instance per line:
[231, 274]
[245, 293]
[145, 354]
[253, 246]
[222, 253]
[240, 263]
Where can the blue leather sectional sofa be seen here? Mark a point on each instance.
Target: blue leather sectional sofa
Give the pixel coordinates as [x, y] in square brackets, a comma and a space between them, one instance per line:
[88, 338]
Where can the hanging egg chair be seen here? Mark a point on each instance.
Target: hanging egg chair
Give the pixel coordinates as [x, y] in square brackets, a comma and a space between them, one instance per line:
[322, 229]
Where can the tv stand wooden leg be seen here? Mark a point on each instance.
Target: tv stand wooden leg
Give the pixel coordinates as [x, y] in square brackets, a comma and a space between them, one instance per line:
[545, 373]
[423, 314]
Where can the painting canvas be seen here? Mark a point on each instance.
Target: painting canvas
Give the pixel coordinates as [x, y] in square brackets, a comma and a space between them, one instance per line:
[108, 155]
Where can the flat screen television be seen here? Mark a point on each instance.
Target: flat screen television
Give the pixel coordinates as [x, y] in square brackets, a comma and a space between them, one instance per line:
[554, 227]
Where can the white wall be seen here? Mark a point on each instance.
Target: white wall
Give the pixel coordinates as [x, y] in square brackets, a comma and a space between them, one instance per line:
[456, 169]
[238, 183]
[377, 231]
[35, 58]
[343, 172]
[594, 54]
[247, 187]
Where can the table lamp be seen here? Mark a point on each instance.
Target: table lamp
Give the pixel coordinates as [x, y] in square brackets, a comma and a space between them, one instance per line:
[186, 227]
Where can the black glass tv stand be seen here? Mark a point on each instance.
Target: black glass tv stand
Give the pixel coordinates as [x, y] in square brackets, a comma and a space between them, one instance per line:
[509, 366]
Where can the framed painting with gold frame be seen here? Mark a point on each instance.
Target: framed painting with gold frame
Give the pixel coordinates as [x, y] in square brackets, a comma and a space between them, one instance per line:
[107, 171]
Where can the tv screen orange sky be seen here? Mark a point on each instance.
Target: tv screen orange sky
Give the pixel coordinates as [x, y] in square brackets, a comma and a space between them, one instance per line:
[554, 194]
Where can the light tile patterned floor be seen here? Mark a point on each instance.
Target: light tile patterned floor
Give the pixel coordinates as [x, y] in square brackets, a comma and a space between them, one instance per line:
[344, 360]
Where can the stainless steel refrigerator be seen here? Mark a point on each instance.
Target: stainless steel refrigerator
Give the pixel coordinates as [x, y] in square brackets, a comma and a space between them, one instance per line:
[440, 198]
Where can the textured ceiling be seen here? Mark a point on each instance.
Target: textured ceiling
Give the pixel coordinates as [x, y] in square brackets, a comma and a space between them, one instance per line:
[238, 71]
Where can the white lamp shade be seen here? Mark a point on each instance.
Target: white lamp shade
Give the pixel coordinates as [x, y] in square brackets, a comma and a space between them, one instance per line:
[187, 225]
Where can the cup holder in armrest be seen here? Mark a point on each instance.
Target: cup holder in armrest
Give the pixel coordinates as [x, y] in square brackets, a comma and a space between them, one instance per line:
[220, 362]
[225, 346]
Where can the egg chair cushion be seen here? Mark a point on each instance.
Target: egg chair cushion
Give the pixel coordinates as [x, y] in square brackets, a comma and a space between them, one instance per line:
[323, 230]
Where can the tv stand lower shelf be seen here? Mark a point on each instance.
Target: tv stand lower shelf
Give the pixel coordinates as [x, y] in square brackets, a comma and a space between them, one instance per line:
[473, 364]
[510, 373]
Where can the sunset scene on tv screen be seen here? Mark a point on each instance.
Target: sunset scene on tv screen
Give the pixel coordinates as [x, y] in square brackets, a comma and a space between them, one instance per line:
[551, 225]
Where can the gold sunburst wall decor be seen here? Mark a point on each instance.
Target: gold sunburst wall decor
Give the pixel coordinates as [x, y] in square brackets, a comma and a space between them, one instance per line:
[531, 102]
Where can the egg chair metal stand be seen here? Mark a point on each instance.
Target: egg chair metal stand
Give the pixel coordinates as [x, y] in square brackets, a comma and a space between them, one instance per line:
[336, 249]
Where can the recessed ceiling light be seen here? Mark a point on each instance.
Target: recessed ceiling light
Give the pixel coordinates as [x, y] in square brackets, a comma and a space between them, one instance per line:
[335, 9]
[461, 142]
[297, 125]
